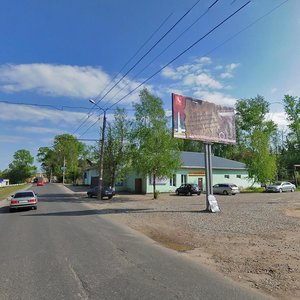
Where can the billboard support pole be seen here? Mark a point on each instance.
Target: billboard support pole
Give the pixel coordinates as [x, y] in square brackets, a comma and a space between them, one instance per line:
[208, 173]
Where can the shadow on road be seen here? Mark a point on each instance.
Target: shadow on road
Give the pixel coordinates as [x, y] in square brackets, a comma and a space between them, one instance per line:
[87, 212]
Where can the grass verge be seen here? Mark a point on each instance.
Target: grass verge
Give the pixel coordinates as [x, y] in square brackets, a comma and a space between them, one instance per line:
[7, 191]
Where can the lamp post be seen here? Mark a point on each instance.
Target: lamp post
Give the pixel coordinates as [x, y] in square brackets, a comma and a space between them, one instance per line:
[100, 179]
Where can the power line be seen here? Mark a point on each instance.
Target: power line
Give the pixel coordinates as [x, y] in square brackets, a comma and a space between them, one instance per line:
[180, 54]
[100, 94]
[164, 50]
[44, 105]
[176, 23]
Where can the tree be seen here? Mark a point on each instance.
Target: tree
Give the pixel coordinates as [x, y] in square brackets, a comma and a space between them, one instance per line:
[254, 135]
[155, 152]
[292, 109]
[66, 150]
[117, 148]
[21, 168]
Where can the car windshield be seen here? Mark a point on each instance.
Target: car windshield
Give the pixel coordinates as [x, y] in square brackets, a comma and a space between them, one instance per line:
[24, 194]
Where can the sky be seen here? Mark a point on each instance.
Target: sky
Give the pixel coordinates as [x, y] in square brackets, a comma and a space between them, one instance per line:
[56, 55]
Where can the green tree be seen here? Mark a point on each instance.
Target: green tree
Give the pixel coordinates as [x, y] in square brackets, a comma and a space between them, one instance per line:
[21, 168]
[66, 150]
[292, 109]
[155, 151]
[47, 157]
[117, 148]
[254, 134]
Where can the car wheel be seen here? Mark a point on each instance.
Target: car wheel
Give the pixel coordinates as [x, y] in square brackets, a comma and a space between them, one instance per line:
[89, 195]
[189, 193]
[225, 192]
[292, 190]
[280, 190]
[198, 193]
[177, 193]
[11, 209]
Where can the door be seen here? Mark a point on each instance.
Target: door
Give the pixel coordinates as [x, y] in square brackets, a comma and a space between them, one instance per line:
[200, 184]
[138, 186]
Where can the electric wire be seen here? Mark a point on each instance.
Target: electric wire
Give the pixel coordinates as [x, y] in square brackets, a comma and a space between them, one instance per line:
[176, 23]
[151, 48]
[179, 55]
[183, 52]
[84, 119]
[164, 50]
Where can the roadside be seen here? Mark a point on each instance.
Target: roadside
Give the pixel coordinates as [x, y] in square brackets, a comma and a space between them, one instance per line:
[5, 192]
[255, 240]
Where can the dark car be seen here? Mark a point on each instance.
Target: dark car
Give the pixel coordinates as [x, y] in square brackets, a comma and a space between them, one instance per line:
[106, 192]
[188, 189]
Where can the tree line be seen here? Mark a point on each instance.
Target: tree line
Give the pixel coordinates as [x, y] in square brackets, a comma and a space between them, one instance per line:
[145, 144]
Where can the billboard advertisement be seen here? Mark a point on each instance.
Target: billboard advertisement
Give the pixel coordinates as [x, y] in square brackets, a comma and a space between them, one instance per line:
[195, 119]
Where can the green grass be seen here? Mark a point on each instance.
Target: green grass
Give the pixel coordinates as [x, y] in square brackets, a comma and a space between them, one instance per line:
[7, 191]
[253, 190]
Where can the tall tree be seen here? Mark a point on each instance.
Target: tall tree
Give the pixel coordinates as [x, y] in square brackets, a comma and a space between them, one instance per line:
[254, 135]
[292, 109]
[155, 151]
[66, 150]
[21, 168]
[116, 153]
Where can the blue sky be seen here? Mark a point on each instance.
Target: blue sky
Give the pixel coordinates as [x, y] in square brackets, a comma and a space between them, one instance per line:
[59, 54]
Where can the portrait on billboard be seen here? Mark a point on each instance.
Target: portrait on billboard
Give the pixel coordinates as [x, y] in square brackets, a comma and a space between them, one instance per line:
[201, 120]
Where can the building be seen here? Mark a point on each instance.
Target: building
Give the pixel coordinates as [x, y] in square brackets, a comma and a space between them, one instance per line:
[192, 170]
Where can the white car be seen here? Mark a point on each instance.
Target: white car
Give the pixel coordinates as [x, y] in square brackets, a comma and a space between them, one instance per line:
[280, 187]
[226, 189]
[23, 199]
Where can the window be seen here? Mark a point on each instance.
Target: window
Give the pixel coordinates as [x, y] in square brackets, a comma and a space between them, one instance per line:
[238, 176]
[183, 179]
[227, 176]
[173, 180]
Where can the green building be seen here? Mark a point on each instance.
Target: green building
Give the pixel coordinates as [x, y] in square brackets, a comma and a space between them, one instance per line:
[192, 170]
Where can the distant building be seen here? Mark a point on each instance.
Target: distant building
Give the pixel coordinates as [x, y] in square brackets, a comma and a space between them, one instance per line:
[4, 182]
[192, 170]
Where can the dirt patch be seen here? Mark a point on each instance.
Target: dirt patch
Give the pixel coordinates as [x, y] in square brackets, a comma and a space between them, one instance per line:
[293, 212]
[255, 240]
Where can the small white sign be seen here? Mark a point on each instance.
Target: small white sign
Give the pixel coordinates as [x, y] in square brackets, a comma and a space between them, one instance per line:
[63, 168]
[213, 204]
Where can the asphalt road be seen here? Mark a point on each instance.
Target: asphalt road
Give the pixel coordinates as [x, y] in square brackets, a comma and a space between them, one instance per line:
[65, 250]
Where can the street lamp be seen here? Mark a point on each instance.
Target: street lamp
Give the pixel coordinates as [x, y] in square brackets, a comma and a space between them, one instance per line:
[100, 180]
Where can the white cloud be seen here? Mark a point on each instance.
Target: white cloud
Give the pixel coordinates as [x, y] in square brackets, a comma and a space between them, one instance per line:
[43, 130]
[279, 118]
[215, 97]
[274, 90]
[229, 71]
[203, 80]
[10, 112]
[61, 80]
[204, 60]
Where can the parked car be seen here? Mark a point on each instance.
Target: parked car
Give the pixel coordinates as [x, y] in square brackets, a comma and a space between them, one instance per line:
[188, 189]
[226, 189]
[280, 187]
[106, 192]
[23, 199]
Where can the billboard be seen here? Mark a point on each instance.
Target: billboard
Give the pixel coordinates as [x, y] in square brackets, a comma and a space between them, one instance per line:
[195, 119]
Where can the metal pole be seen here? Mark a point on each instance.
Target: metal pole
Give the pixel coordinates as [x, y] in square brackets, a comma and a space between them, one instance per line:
[208, 172]
[100, 180]
[64, 170]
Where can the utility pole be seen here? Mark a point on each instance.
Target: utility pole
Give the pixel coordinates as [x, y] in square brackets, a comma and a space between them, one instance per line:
[101, 142]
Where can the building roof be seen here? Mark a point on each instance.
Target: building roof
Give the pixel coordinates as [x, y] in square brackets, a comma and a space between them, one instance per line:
[196, 160]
